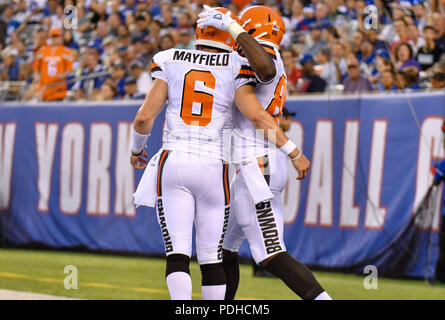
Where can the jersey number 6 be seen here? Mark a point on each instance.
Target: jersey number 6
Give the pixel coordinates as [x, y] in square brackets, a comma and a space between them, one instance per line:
[202, 100]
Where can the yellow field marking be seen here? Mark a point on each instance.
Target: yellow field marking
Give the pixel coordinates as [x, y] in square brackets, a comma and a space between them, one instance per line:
[99, 285]
[96, 285]
[150, 290]
[13, 275]
[54, 280]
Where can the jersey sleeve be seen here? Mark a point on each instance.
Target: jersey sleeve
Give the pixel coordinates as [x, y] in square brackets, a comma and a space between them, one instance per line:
[244, 74]
[273, 53]
[158, 66]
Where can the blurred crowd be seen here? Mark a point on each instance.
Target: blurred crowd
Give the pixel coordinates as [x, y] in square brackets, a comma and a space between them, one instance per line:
[102, 49]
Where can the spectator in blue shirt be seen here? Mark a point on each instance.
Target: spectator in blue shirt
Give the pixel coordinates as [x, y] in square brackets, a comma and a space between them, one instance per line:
[11, 66]
[50, 9]
[308, 19]
[88, 88]
[317, 42]
[68, 40]
[311, 82]
[141, 30]
[410, 75]
[387, 81]
[129, 6]
[117, 77]
[100, 33]
[378, 44]
[131, 89]
[367, 57]
[8, 18]
[438, 178]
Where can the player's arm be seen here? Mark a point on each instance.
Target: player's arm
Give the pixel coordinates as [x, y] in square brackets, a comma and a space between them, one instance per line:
[260, 61]
[247, 103]
[143, 122]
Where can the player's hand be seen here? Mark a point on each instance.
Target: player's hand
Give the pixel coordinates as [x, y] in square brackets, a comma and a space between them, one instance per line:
[213, 18]
[139, 162]
[302, 165]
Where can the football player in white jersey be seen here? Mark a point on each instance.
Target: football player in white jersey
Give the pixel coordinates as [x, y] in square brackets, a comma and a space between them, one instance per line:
[192, 176]
[261, 222]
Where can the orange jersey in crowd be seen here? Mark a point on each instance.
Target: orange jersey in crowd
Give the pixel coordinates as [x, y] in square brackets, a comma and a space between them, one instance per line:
[50, 63]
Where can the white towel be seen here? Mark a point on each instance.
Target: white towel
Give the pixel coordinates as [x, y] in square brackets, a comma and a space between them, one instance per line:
[256, 184]
[146, 194]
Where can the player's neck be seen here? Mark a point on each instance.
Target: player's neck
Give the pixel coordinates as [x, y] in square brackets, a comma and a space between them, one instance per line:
[210, 49]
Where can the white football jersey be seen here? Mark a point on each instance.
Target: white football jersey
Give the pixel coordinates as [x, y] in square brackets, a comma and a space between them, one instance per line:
[201, 91]
[248, 143]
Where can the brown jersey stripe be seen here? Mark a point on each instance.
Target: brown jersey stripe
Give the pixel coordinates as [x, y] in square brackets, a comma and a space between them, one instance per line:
[161, 164]
[226, 184]
[245, 67]
[246, 76]
[270, 50]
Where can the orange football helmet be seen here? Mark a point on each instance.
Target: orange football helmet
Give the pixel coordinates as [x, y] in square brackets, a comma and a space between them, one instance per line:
[216, 38]
[263, 23]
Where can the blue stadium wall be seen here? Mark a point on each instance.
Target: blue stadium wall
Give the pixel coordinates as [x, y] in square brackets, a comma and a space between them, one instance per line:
[66, 181]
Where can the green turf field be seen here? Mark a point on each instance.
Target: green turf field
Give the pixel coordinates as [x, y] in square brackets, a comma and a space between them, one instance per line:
[115, 277]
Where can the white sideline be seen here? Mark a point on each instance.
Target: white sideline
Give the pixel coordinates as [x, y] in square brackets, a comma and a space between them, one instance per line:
[21, 295]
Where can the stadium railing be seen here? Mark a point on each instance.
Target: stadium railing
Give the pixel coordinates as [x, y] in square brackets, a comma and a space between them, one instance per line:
[12, 90]
[70, 81]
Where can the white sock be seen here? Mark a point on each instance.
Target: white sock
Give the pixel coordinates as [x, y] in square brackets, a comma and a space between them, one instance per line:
[323, 296]
[179, 285]
[214, 292]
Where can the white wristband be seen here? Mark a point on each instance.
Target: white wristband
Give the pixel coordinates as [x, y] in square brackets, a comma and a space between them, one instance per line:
[139, 141]
[288, 147]
[235, 29]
